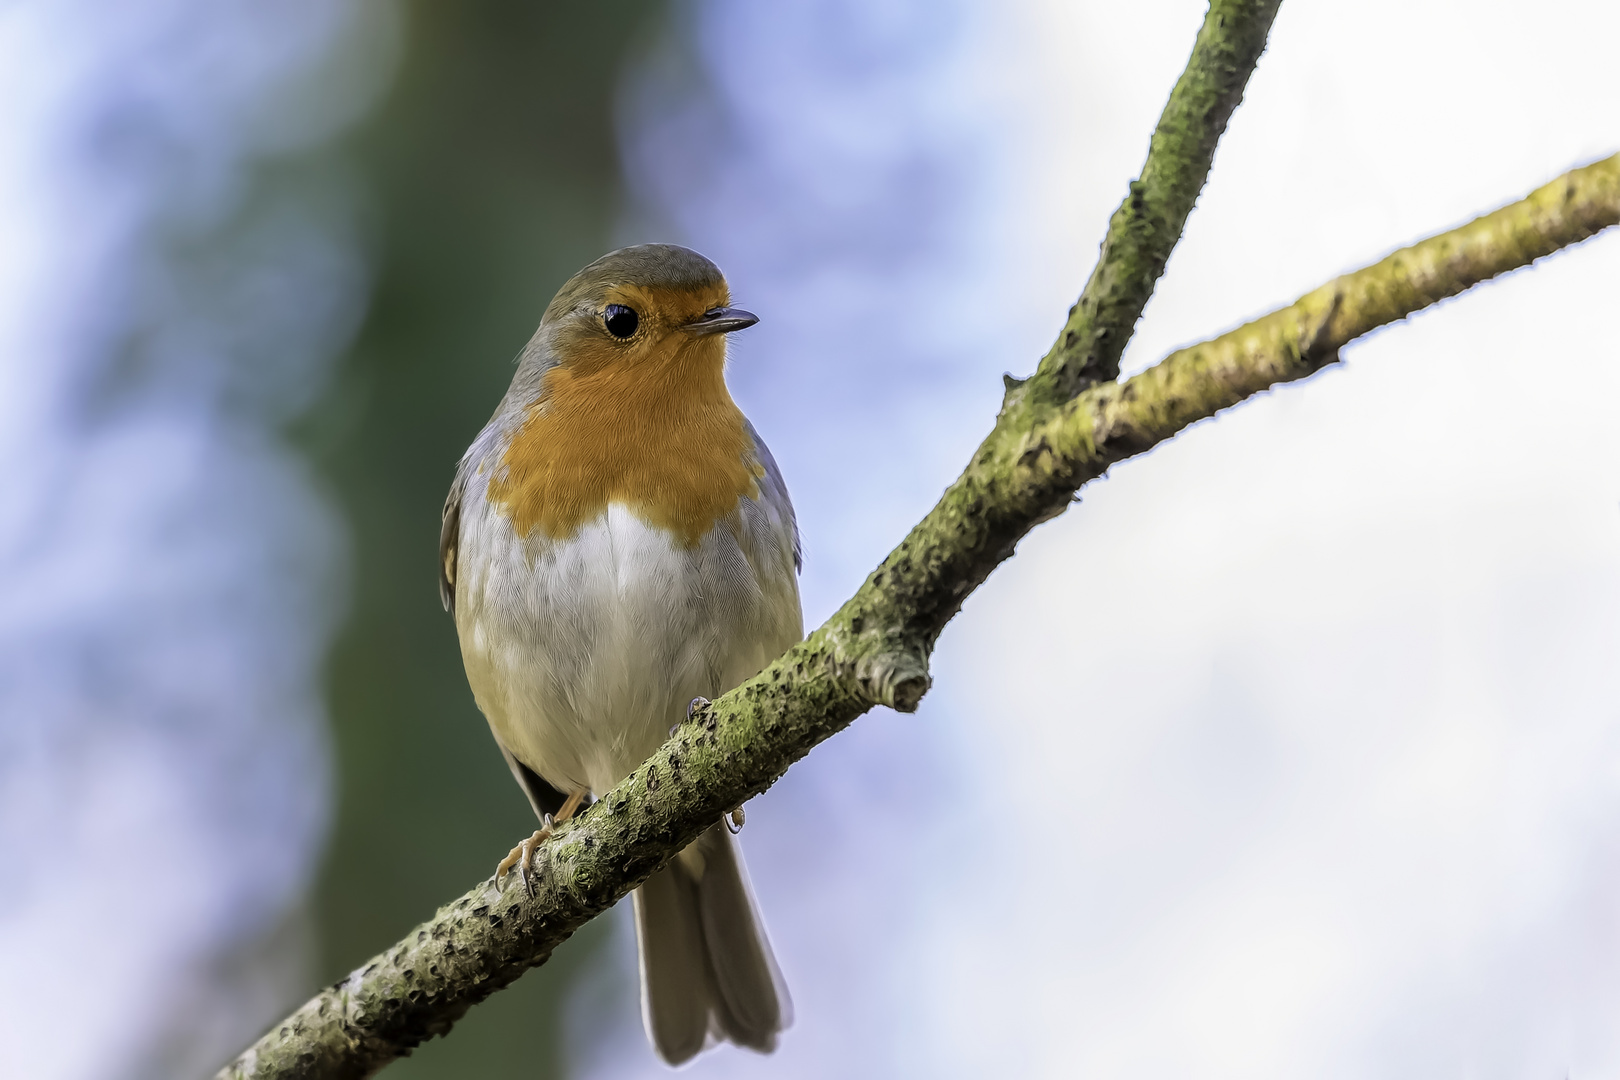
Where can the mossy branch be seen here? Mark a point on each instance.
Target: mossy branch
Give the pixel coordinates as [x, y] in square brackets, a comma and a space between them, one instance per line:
[1147, 225]
[1118, 420]
[874, 650]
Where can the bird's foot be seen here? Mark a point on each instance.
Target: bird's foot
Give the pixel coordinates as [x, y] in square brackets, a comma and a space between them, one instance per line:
[522, 856]
[570, 806]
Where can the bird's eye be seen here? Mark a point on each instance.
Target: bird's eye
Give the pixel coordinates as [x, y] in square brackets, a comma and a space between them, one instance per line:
[620, 321]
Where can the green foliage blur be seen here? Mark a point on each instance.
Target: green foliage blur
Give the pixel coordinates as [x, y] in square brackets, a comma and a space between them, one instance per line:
[492, 172]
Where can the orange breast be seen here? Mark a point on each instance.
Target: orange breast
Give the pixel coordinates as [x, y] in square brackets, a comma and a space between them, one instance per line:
[669, 444]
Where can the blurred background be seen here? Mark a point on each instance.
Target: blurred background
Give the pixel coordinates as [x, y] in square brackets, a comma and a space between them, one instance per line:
[1294, 749]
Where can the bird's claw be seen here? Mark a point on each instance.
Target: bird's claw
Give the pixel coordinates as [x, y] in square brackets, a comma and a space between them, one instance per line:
[691, 707]
[522, 857]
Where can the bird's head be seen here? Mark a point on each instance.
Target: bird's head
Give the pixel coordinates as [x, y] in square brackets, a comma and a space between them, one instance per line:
[648, 310]
[621, 398]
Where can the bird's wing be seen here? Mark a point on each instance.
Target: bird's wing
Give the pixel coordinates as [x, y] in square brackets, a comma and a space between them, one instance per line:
[450, 537]
[774, 492]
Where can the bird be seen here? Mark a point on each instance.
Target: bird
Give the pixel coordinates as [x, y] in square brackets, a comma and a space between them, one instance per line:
[618, 542]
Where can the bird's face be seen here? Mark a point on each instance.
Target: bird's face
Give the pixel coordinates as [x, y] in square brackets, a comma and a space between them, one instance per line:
[648, 330]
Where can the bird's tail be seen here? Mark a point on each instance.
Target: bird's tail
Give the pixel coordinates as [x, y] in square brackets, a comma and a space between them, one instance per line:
[707, 972]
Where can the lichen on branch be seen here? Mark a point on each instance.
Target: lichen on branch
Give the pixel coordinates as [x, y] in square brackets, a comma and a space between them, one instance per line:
[1291, 343]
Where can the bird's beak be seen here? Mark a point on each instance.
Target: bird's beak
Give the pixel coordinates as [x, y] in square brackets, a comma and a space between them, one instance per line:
[722, 321]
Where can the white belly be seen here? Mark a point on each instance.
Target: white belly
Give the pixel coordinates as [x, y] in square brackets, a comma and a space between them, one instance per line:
[584, 652]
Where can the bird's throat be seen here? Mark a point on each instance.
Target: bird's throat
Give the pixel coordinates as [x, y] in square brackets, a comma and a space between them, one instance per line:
[668, 444]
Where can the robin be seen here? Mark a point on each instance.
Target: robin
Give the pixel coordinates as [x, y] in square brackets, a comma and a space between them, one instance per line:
[617, 542]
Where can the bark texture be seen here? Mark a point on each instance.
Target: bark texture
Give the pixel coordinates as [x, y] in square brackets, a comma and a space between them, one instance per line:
[1057, 430]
